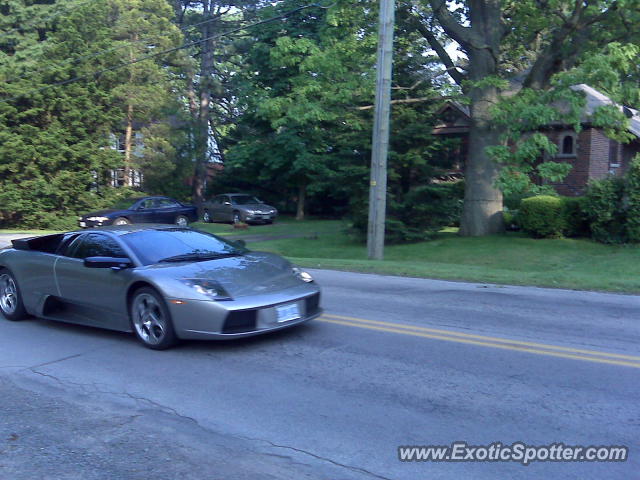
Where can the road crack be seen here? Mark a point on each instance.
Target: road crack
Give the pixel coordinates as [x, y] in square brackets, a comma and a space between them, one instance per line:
[172, 411]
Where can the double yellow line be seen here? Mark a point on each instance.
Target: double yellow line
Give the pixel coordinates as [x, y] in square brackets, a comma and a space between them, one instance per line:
[485, 341]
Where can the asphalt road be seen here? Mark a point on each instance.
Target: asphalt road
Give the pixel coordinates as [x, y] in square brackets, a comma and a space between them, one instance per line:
[394, 361]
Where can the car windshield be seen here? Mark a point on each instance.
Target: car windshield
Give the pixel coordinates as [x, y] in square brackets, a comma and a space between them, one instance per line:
[244, 200]
[179, 245]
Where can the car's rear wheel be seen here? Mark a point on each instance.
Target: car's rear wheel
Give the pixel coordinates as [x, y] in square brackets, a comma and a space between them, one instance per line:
[182, 221]
[151, 320]
[11, 303]
[121, 221]
[206, 217]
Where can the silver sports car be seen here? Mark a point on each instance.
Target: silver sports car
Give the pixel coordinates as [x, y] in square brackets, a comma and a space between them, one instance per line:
[163, 283]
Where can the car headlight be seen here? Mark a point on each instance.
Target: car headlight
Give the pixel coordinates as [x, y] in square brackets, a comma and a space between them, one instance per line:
[250, 212]
[302, 275]
[208, 288]
[98, 219]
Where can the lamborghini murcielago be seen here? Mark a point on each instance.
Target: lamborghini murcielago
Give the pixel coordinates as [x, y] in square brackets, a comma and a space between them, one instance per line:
[163, 283]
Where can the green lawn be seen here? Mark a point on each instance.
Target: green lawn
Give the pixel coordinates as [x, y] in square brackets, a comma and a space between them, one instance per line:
[282, 226]
[503, 259]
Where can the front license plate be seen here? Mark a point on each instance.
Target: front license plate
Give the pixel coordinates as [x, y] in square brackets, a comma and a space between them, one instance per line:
[287, 312]
[83, 224]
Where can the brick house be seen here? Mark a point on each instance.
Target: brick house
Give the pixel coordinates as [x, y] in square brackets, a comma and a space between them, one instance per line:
[591, 153]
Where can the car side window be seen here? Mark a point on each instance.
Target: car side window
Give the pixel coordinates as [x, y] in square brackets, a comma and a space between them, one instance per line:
[166, 203]
[68, 244]
[98, 245]
[149, 203]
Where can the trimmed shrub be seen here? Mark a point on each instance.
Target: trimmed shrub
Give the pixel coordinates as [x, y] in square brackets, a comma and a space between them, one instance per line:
[575, 224]
[604, 209]
[632, 188]
[542, 216]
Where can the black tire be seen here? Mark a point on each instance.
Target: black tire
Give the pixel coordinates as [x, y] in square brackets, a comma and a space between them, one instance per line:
[206, 217]
[236, 218]
[149, 334]
[122, 221]
[11, 304]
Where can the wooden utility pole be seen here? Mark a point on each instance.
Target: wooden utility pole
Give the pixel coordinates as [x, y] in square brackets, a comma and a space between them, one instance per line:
[380, 140]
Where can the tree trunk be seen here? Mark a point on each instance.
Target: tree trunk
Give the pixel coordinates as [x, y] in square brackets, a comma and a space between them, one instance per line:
[482, 210]
[302, 196]
[128, 146]
[202, 121]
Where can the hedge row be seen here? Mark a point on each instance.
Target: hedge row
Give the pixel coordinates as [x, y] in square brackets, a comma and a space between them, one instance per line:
[609, 212]
[546, 216]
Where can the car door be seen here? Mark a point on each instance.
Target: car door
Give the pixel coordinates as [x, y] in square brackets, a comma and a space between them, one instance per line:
[216, 208]
[167, 210]
[94, 296]
[146, 211]
[226, 209]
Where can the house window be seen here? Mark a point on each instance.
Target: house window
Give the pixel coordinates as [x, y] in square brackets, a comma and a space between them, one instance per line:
[568, 145]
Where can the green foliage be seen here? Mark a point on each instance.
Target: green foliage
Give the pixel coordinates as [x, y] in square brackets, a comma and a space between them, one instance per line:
[542, 216]
[575, 224]
[604, 210]
[526, 151]
[421, 213]
[56, 153]
[633, 200]
[306, 96]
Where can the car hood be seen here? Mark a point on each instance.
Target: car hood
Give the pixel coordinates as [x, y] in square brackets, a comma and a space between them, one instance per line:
[102, 213]
[252, 274]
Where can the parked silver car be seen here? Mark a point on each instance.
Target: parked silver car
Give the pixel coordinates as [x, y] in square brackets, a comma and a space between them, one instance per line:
[236, 208]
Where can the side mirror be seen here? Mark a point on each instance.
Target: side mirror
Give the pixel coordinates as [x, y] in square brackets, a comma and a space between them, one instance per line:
[241, 243]
[226, 203]
[141, 207]
[116, 263]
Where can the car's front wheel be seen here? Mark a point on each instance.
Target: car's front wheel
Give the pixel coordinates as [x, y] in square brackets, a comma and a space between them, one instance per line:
[182, 221]
[121, 221]
[236, 218]
[11, 303]
[151, 320]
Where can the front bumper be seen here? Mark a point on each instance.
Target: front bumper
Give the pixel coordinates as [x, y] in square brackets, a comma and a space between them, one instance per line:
[260, 217]
[210, 320]
[84, 223]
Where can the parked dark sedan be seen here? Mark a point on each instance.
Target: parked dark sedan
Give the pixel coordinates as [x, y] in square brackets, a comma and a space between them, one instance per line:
[142, 210]
[238, 207]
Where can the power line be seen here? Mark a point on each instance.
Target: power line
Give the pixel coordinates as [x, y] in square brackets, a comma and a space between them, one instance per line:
[165, 52]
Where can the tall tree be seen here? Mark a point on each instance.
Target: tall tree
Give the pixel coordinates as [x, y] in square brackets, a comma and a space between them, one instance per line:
[208, 94]
[511, 45]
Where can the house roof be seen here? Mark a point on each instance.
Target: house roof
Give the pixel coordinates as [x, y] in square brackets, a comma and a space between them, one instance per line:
[596, 99]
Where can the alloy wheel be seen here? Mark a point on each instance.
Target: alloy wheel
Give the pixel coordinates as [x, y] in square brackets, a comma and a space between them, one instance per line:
[8, 294]
[148, 319]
